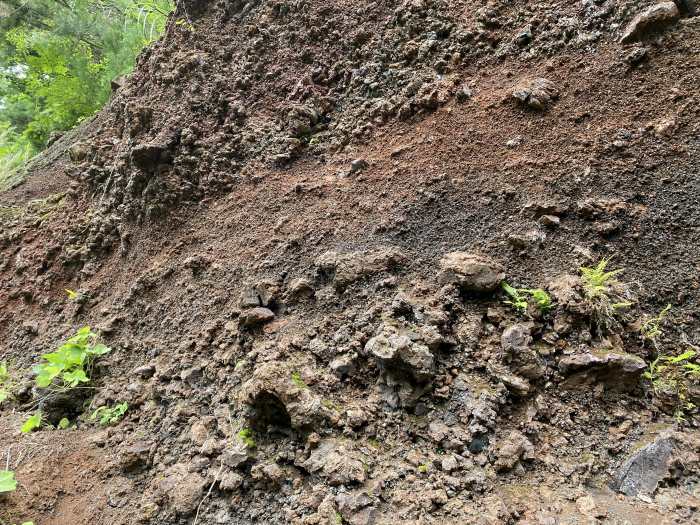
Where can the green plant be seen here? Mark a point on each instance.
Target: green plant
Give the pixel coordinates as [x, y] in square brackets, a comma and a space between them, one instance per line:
[7, 481]
[652, 328]
[517, 301]
[542, 299]
[423, 468]
[57, 60]
[5, 386]
[605, 295]
[64, 423]
[32, 423]
[673, 376]
[70, 365]
[109, 416]
[246, 437]
[596, 281]
[298, 381]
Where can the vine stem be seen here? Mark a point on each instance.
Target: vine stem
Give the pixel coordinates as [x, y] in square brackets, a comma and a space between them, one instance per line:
[211, 487]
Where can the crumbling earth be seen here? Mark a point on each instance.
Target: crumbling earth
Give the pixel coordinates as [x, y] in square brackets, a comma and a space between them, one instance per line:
[291, 224]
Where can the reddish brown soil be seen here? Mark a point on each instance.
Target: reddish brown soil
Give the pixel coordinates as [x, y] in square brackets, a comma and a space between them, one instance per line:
[626, 138]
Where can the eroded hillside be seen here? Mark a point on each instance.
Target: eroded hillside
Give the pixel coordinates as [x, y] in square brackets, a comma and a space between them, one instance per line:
[291, 225]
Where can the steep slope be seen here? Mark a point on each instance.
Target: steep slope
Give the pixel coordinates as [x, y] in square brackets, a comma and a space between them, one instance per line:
[291, 224]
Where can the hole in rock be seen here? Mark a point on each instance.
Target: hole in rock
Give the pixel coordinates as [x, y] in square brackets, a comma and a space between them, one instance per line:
[270, 414]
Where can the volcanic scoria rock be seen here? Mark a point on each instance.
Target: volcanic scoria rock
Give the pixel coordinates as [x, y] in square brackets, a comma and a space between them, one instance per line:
[536, 94]
[471, 272]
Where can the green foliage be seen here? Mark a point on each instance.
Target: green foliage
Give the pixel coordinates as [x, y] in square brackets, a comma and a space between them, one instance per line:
[519, 300]
[7, 481]
[246, 437]
[5, 379]
[64, 423]
[298, 381]
[596, 281]
[110, 416]
[604, 293]
[542, 299]
[32, 423]
[423, 468]
[69, 366]
[652, 328]
[57, 60]
[673, 376]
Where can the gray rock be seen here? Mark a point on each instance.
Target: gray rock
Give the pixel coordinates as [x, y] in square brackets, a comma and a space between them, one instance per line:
[235, 457]
[516, 338]
[337, 462]
[299, 290]
[512, 382]
[183, 489]
[641, 473]
[346, 268]
[356, 508]
[358, 165]
[471, 272]
[617, 370]
[653, 18]
[550, 221]
[398, 351]
[449, 463]
[343, 365]
[511, 449]
[256, 317]
[536, 94]
[230, 481]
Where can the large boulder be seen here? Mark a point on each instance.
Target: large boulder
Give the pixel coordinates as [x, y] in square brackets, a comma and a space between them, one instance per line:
[471, 272]
[276, 399]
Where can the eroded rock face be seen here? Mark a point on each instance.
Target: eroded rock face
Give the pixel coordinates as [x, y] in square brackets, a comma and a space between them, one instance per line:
[652, 19]
[471, 272]
[536, 94]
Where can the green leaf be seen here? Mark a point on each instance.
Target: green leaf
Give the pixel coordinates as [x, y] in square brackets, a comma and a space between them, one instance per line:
[75, 377]
[46, 374]
[64, 423]
[7, 481]
[682, 357]
[109, 416]
[98, 349]
[32, 423]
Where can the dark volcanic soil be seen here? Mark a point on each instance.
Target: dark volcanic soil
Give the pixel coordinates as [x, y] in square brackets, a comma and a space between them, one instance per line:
[258, 227]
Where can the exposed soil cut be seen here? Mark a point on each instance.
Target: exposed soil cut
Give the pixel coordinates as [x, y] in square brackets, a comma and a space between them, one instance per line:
[291, 225]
